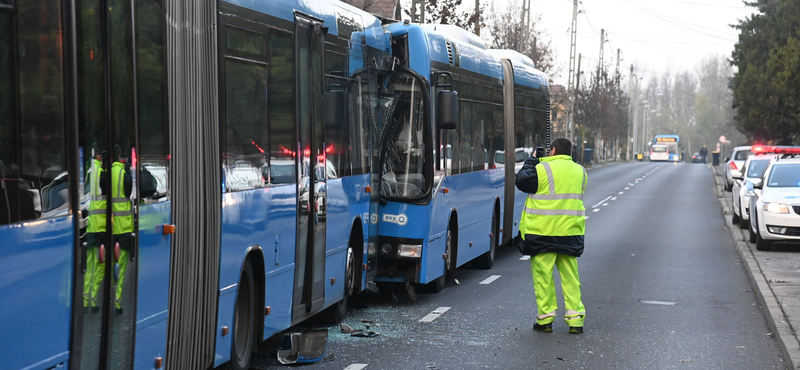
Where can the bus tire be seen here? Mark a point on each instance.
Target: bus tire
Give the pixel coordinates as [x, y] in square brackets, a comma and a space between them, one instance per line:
[486, 260]
[336, 312]
[244, 320]
[438, 285]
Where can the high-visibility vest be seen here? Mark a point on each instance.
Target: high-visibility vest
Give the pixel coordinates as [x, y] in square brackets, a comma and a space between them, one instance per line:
[96, 220]
[556, 209]
[122, 209]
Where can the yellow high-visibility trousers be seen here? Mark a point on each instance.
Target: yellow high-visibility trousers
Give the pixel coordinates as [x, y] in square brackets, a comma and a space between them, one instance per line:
[545, 289]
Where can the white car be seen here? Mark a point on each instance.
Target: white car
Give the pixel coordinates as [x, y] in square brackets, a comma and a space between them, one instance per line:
[754, 166]
[733, 169]
[659, 153]
[775, 203]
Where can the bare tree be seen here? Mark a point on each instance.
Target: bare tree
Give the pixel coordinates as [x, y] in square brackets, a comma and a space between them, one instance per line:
[506, 31]
[446, 12]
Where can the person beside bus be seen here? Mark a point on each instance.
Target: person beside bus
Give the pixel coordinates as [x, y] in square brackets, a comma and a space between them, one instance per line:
[552, 227]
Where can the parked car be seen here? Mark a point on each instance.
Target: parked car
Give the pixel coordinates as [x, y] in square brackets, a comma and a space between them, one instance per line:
[753, 167]
[734, 164]
[775, 201]
[696, 158]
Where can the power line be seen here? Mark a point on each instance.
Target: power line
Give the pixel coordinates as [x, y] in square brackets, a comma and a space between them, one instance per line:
[673, 21]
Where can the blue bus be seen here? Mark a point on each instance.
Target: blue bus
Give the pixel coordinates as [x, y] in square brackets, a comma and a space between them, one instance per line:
[666, 148]
[440, 211]
[180, 180]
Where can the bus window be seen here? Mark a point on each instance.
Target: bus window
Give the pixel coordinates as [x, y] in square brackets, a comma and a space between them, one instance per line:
[403, 169]
[32, 166]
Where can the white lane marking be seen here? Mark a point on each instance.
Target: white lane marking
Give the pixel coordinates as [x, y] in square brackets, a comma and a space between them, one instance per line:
[596, 210]
[605, 204]
[661, 303]
[622, 192]
[489, 280]
[614, 198]
[601, 202]
[434, 314]
[586, 218]
[627, 188]
[524, 258]
[355, 367]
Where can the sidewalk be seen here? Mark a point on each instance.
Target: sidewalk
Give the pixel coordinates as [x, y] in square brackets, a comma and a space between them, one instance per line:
[775, 278]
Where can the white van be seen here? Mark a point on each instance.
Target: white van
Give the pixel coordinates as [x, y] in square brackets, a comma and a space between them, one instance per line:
[659, 153]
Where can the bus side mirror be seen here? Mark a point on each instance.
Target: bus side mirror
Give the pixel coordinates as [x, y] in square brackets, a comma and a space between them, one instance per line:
[334, 109]
[447, 110]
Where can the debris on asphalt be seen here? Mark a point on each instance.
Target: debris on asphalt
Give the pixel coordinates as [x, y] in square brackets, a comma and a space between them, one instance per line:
[365, 334]
[346, 329]
[562, 359]
[740, 347]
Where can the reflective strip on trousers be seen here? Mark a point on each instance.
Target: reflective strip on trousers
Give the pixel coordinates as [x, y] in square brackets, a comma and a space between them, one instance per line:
[554, 212]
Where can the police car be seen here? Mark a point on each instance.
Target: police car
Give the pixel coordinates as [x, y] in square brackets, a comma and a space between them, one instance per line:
[750, 173]
[775, 202]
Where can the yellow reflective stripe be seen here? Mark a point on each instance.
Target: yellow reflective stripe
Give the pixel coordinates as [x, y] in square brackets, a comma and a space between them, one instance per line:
[554, 212]
[556, 196]
[549, 172]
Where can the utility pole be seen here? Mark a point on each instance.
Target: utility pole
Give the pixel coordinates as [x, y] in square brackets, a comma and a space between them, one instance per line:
[478, 17]
[629, 150]
[526, 13]
[418, 11]
[616, 74]
[571, 76]
[602, 43]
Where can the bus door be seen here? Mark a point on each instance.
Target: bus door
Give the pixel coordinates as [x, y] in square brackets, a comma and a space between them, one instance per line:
[105, 324]
[309, 275]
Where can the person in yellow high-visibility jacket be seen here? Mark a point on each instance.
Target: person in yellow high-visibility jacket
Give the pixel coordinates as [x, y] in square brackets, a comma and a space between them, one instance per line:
[121, 225]
[552, 228]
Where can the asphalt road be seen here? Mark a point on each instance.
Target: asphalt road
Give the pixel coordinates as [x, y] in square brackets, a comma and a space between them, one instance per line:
[662, 285]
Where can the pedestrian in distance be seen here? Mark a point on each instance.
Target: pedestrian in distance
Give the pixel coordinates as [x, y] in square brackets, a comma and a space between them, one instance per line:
[552, 231]
[703, 153]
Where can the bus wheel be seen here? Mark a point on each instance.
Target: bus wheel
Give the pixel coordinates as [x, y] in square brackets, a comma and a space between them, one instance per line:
[437, 286]
[243, 321]
[335, 313]
[486, 260]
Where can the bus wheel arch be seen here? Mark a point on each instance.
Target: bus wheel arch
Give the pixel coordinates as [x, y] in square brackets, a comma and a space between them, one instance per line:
[486, 260]
[247, 323]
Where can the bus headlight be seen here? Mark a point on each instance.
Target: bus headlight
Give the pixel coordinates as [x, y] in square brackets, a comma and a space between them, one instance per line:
[409, 250]
[773, 207]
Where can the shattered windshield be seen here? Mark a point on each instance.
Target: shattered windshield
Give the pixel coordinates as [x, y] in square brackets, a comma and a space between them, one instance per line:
[402, 170]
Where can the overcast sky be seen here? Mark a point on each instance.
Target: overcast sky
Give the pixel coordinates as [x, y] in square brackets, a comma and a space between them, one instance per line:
[654, 35]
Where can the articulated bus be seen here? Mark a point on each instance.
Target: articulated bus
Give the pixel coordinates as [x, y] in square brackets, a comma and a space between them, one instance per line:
[439, 212]
[182, 179]
[666, 148]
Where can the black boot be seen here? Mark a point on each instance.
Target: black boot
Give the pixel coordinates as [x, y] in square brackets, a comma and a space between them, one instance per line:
[547, 328]
[576, 329]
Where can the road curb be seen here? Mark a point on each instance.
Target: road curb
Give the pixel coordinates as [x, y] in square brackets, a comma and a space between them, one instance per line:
[776, 319]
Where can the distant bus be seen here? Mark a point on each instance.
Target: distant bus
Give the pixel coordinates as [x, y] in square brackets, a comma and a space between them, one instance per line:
[438, 213]
[666, 148]
[235, 140]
